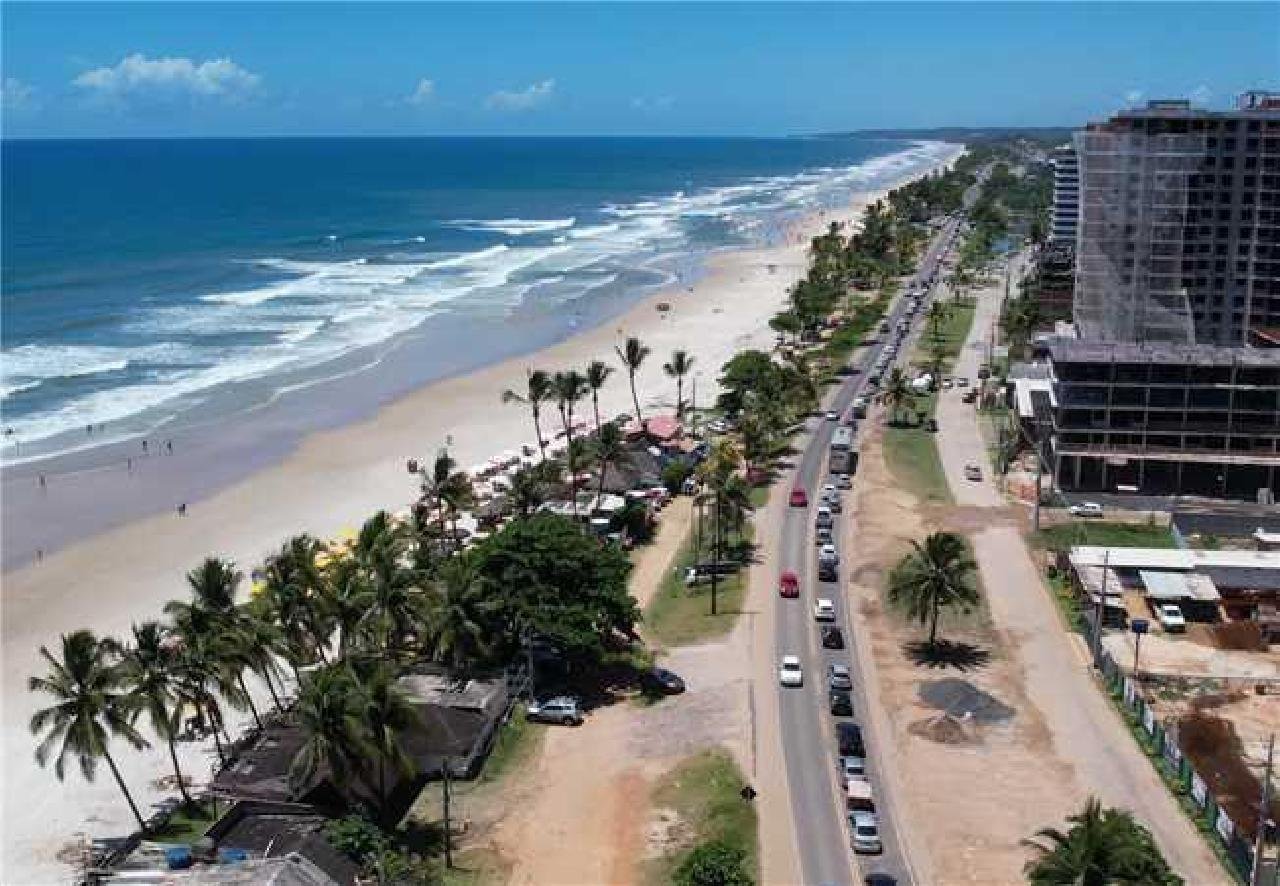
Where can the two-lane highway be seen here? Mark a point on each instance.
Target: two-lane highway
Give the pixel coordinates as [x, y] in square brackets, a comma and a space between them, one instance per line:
[807, 729]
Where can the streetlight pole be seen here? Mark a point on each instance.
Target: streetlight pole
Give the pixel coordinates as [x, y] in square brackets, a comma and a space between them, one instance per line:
[1099, 609]
[1264, 815]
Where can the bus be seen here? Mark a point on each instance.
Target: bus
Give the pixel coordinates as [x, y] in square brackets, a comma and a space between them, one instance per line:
[843, 457]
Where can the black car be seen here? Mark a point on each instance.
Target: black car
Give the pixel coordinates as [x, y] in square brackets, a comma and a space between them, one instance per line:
[663, 682]
[832, 638]
[841, 703]
[849, 739]
[879, 879]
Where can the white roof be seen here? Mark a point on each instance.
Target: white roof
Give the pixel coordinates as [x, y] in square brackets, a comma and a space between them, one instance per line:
[1022, 389]
[1265, 537]
[1172, 558]
[1167, 586]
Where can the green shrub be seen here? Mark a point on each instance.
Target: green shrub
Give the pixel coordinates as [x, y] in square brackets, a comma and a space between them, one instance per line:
[714, 864]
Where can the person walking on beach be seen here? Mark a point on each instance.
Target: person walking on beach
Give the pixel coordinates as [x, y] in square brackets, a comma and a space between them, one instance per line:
[144, 447]
[129, 463]
[182, 509]
[43, 485]
[168, 446]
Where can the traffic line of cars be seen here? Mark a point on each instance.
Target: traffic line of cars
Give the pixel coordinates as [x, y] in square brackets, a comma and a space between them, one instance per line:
[851, 753]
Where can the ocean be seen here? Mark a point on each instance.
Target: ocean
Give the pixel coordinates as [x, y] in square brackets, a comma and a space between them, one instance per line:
[147, 283]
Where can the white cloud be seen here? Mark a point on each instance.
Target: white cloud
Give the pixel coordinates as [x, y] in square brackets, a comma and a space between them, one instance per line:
[657, 103]
[1133, 96]
[522, 100]
[424, 93]
[15, 95]
[137, 76]
[1201, 95]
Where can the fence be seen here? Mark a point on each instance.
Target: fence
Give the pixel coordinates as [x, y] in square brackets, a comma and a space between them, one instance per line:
[1191, 787]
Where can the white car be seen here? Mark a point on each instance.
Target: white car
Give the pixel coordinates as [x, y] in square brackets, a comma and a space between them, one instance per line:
[789, 671]
[824, 610]
[1086, 509]
[829, 492]
[832, 415]
[1171, 618]
[865, 831]
[562, 709]
[962, 382]
[829, 552]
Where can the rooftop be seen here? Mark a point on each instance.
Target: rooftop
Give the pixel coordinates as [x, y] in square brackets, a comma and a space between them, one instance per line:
[1070, 350]
[1173, 558]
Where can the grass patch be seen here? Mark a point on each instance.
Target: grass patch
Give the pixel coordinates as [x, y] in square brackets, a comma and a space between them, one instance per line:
[703, 792]
[949, 337]
[187, 824]
[1115, 535]
[679, 615]
[912, 455]
[518, 742]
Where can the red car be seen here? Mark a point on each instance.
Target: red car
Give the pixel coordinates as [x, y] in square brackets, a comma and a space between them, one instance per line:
[789, 584]
[799, 498]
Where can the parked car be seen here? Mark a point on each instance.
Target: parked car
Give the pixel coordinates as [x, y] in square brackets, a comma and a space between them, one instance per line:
[789, 584]
[790, 672]
[1086, 509]
[829, 492]
[827, 571]
[799, 498]
[859, 407]
[663, 682]
[840, 702]
[829, 554]
[931, 425]
[984, 373]
[832, 415]
[844, 482]
[701, 573]
[822, 516]
[866, 832]
[838, 676]
[562, 709]
[824, 610]
[832, 637]
[970, 396]
[822, 535]
[972, 472]
[836, 506]
[962, 382]
[1171, 618]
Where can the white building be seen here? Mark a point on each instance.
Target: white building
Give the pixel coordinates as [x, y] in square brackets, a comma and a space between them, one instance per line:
[1066, 196]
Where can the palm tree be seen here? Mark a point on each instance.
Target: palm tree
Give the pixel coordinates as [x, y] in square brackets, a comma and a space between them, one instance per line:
[290, 591]
[1102, 847]
[569, 388]
[328, 713]
[386, 714]
[632, 354]
[347, 598]
[609, 451]
[451, 491]
[196, 687]
[597, 374]
[89, 710]
[148, 669]
[458, 616]
[941, 572]
[393, 604]
[897, 393]
[679, 366]
[537, 390]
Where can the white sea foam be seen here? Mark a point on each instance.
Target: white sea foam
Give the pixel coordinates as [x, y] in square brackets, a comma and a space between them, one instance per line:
[513, 227]
[590, 232]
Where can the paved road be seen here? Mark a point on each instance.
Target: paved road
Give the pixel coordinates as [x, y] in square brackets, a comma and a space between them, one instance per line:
[809, 747]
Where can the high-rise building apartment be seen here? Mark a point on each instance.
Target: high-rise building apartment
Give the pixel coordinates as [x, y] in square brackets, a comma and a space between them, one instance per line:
[1066, 197]
[1179, 226]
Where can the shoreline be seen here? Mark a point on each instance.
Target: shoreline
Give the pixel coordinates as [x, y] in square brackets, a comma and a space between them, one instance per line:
[334, 479]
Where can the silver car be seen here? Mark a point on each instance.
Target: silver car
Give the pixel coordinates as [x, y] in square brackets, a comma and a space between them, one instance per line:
[562, 710]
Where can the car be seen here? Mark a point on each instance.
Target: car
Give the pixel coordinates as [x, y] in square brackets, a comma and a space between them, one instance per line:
[827, 571]
[970, 396]
[845, 482]
[835, 505]
[824, 610]
[840, 702]
[790, 672]
[832, 415]
[832, 638]
[789, 584]
[931, 425]
[879, 878]
[838, 676]
[865, 831]
[829, 492]
[984, 373]
[1086, 509]
[859, 407]
[849, 740]
[1171, 618]
[962, 382]
[561, 709]
[822, 516]
[972, 472]
[852, 766]
[822, 535]
[829, 553]
[947, 384]
[660, 681]
[799, 498]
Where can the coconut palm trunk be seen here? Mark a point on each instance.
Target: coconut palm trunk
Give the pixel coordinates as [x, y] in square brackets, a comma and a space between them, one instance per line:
[124, 789]
[177, 770]
[253, 709]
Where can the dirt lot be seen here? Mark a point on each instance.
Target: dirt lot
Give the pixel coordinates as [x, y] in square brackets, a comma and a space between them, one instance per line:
[975, 765]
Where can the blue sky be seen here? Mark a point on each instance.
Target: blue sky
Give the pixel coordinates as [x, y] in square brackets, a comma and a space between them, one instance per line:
[106, 69]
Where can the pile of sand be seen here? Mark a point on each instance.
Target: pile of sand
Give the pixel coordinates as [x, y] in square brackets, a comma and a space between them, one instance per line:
[945, 729]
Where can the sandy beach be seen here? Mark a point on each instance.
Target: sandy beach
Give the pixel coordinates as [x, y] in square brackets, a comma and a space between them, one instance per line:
[333, 480]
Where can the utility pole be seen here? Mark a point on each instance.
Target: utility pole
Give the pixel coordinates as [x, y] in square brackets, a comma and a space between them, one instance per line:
[448, 825]
[1098, 610]
[1264, 815]
[715, 555]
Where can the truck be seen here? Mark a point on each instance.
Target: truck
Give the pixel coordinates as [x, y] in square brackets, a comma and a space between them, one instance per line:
[842, 452]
